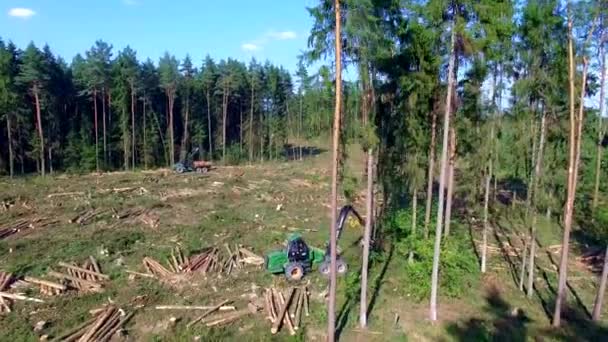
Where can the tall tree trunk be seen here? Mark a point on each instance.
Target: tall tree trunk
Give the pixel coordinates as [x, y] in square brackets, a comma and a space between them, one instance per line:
[331, 315]
[450, 190]
[300, 125]
[262, 139]
[486, 202]
[443, 176]
[414, 220]
[50, 151]
[251, 123]
[96, 131]
[132, 125]
[145, 132]
[103, 118]
[110, 121]
[600, 130]
[288, 128]
[430, 178]
[171, 97]
[224, 123]
[125, 139]
[522, 273]
[11, 165]
[209, 130]
[597, 307]
[241, 128]
[369, 205]
[184, 147]
[535, 182]
[574, 155]
[530, 191]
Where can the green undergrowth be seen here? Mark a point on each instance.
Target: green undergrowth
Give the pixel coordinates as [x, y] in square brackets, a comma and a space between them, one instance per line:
[458, 268]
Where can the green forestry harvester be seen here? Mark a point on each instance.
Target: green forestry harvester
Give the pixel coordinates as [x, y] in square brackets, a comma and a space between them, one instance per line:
[298, 258]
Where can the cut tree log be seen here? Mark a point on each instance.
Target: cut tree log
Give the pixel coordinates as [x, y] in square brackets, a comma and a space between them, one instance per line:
[287, 303]
[47, 283]
[208, 312]
[15, 296]
[80, 281]
[61, 194]
[194, 307]
[84, 270]
[276, 326]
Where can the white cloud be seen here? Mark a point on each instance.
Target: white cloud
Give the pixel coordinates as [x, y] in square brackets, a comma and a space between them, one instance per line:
[284, 35]
[250, 47]
[20, 12]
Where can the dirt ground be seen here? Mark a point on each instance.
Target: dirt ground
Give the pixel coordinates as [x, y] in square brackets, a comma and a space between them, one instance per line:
[257, 207]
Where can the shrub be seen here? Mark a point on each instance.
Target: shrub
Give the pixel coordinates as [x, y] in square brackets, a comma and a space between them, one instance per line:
[458, 269]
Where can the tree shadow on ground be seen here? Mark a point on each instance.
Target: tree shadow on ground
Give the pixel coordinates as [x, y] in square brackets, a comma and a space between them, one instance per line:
[575, 326]
[379, 281]
[353, 297]
[292, 152]
[503, 324]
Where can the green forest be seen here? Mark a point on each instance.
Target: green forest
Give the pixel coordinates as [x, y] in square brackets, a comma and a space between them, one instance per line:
[457, 119]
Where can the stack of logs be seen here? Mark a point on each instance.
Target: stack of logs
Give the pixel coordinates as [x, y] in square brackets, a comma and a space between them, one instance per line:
[281, 310]
[5, 281]
[86, 216]
[210, 260]
[102, 326]
[142, 214]
[223, 319]
[85, 278]
[24, 224]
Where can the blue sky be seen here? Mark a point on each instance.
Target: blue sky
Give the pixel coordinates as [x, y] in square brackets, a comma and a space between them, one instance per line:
[276, 30]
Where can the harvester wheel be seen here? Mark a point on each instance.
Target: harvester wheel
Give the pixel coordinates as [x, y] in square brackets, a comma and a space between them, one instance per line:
[341, 267]
[294, 271]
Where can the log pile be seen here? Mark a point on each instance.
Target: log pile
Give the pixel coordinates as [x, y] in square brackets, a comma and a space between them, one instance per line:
[101, 327]
[86, 216]
[24, 224]
[138, 190]
[144, 215]
[85, 278]
[213, 317]
[129, 212]
[286, 310]
[5, 281]
[48, 288]
[211, 260]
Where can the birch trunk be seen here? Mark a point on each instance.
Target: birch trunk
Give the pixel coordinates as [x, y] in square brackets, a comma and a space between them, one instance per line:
[597, 307]
[484, 247]
[442, 177]
[600, 129]
[366, 237]
[450, 187]
[535, 182]
[430, 178]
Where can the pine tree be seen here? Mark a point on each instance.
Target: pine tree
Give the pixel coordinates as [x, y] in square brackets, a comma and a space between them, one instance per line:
[33, 74]
[169, 76]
